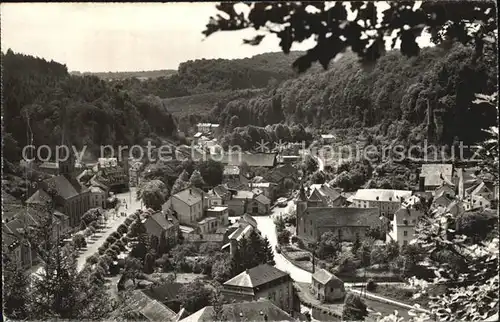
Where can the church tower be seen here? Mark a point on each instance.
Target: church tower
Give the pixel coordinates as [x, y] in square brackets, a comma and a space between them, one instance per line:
[66, 167]
[301, 209]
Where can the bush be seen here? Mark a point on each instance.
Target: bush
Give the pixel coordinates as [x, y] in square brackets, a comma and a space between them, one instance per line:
[128, 222]
[92, 259]
[116, 235]
[101, 250]
[371, 286]
[122, 229]
[111, 240]
[125, 240]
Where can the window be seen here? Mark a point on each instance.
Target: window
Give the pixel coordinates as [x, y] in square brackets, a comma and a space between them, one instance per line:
[405, 233]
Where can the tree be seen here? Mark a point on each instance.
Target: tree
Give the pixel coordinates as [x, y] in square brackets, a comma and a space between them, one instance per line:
[378, 255]
[221, 269]
[268, 250]
[284, 237]
[196, 179]
[149, 262]
[181, 183]
[392, 250]
[153, 194]
[318, 177]
[364, 252]
[354, 308]
[329, 245]
[133, 267]
[211, 171]
[79, 241]
[356, 245]
[217, 301]
[291, 22]
[194, 296]
[16, 298]
[163, 246]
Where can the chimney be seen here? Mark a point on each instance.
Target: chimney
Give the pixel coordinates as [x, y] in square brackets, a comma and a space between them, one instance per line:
[421, 183]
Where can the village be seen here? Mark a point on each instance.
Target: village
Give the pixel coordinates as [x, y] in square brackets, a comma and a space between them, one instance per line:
[278, 246]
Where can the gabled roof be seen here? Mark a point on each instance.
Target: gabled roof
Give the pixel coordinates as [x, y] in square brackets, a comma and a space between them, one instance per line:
[40, 197]
[381, 194]
[435, 173]
[325, 191]
[190, 195]
[263, 310]
[160, 219]
[480, 187]
[324, 277]
[256, 276]
[344, 216]
[263, 199]
[165, 292]
[64, 187]
[151, 309]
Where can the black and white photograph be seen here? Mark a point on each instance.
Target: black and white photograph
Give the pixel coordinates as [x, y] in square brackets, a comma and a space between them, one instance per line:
[250, 161]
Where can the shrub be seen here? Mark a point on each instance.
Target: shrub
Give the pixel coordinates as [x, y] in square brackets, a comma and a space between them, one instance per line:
[371, 286]
[101, 250]
[128, 222]
[111, 239]
[116, 235]
[122, 229]
[116, 249]
[92, 259]
[125, 240]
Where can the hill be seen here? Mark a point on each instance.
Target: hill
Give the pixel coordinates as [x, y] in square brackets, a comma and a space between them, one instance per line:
[40, 97]
[212, 75]
[141, 75]
[428, 96]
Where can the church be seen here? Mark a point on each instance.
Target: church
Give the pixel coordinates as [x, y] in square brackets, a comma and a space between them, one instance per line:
[65, 192]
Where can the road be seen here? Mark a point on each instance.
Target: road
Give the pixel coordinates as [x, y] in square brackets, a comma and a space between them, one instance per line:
[267, 228]
[113, 222]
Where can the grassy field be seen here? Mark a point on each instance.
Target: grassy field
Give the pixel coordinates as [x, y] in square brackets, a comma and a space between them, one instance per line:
[201, 104]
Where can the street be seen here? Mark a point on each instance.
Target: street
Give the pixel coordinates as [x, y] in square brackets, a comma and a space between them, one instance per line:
[98, 239]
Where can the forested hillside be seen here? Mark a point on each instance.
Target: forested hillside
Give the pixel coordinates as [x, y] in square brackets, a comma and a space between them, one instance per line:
[125, 75]
[97, 113]
[211, 75]
[428, 96]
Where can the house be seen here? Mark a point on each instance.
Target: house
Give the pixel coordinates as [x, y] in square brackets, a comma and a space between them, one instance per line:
[216, 217]
[146, 309]
[263, 281]
[445, 189]
[14, 228]
[442, 200]
[327, 287]
[248, 202]
[261, 310]
[266, 160]
[161, 223]
[323, 195]
[97, 197]
[268, 189]
[286, 177]
[218, 196]
[435, 174]
[66, 193]
[232, 173]
[327, 138]
[387, 200]
[188, 205]
[241, 229]
[208, 128]
[405, 220]
[349, 223]
[166, 294]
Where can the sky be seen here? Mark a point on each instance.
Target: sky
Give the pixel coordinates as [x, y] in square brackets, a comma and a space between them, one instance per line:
[101, 37]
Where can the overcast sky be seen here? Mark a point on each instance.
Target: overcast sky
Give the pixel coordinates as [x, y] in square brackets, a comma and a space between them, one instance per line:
[123, 36]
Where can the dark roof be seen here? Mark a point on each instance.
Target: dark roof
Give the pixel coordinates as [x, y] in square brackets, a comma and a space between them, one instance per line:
[256, 276]
[160, 220]
[65, 188]
[149, 308]
[263, 199]
[166, 292]
[344, 216]
[281, 172]
[40, 197]
[243, 311]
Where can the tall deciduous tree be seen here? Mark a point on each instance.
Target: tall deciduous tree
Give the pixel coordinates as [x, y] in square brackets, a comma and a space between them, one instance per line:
[153, 193]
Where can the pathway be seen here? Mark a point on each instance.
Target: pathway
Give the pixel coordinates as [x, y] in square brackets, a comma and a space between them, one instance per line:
[92, 246]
